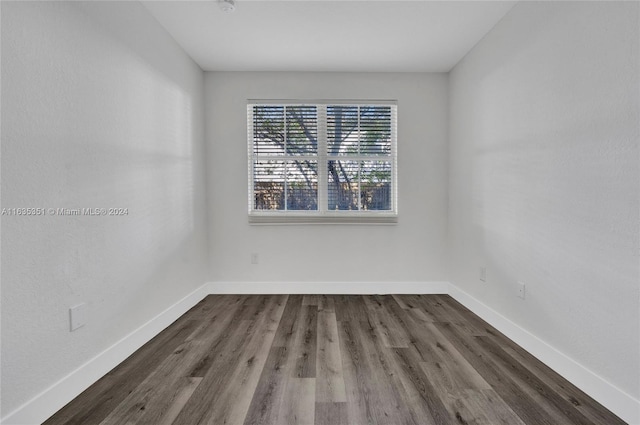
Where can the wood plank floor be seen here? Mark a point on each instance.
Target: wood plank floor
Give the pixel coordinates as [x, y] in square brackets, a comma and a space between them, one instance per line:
[332, 360]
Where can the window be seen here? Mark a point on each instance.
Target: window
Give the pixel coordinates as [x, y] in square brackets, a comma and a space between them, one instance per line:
[322, 162]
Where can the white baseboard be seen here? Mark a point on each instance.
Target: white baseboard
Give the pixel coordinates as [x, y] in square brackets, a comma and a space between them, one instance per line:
[434, 287]
[48, 402]
[605, 393]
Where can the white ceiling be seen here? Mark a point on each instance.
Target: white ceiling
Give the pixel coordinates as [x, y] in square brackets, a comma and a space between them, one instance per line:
[298, 35]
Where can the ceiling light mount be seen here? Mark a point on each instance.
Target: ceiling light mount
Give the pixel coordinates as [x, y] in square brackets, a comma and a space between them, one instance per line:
[227, 6]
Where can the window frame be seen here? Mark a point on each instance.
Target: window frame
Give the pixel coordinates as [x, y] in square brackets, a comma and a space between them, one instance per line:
[323, 215]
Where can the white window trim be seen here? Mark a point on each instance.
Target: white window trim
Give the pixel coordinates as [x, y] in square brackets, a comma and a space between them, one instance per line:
[323, 215]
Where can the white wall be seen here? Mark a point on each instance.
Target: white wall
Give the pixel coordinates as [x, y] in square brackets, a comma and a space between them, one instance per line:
[412, 250]
[544, 178]
[100, 108]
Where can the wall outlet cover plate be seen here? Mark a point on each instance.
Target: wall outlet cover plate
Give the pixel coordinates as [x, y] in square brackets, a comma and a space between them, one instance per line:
[77, 316]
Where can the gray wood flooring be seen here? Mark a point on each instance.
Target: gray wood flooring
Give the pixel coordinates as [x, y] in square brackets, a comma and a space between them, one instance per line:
[332, 360]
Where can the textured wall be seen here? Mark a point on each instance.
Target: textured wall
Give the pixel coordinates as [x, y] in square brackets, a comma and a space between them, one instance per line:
[100, 108]
[544, 178]
[412, 250]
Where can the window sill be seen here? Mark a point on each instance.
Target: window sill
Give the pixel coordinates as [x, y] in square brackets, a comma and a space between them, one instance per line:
[323, 218]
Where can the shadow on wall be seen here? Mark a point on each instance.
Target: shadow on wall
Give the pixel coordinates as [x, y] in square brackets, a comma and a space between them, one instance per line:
[102, 110]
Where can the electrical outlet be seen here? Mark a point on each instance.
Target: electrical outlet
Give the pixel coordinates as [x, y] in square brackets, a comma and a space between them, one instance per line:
[521, 290]
[77, 316]
[483, 273]
[254, 258]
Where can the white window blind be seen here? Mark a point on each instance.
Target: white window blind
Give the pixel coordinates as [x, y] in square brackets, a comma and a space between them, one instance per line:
[322, 161]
